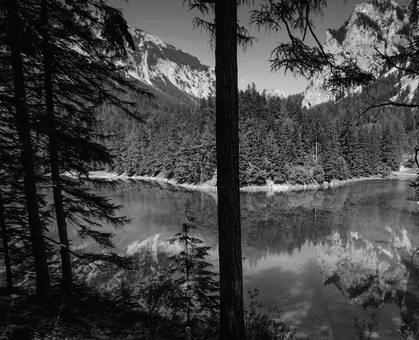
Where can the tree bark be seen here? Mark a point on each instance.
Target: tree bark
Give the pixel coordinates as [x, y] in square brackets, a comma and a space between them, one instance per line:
[6, 251]
[228, 185]
[43, 286]
[54, 154]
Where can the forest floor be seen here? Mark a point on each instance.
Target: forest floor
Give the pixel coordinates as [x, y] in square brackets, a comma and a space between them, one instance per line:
[83, 315]
[210, 186]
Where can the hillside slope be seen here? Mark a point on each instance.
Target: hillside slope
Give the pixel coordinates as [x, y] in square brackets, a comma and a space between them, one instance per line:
[168, 71]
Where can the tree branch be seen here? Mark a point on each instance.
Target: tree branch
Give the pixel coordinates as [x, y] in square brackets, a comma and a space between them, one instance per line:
[387, 103]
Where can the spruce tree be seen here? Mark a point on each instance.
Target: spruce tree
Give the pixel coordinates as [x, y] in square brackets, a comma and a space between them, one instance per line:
[54, 157]
[350, 145]
[15, 41]
[80, 46]
[192, 274]
[227, 35]
[61, 63]
[13, 219]
[5, 246]
[334, 165]
[373, 150]
[389, 152]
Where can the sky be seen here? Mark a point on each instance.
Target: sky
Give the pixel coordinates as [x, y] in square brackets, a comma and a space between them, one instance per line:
[173, 23]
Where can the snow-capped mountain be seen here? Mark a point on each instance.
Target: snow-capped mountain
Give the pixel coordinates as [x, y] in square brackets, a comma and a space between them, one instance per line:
[167, 70]
[380, 24]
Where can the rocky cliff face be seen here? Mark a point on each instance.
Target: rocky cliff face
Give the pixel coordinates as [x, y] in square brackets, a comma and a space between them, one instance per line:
[380, 24]
[167, 70]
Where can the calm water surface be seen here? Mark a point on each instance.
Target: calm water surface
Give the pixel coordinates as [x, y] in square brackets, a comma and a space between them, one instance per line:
[335, 262]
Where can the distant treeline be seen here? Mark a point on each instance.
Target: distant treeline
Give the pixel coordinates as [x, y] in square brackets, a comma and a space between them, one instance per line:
[280, 141]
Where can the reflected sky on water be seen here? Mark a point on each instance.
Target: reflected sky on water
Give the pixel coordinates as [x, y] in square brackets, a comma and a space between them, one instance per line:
[335, 262]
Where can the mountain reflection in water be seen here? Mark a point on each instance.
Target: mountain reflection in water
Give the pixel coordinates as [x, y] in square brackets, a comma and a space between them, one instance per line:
[335, 262]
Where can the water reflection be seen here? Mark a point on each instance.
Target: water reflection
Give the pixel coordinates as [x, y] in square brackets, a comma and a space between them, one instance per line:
[336, 262]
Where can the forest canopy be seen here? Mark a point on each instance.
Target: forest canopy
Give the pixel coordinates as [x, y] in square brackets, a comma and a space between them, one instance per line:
[280, 141]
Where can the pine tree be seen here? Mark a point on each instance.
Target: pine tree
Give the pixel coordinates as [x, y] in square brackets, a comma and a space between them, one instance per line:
[22, 124]
[373, 150]
[53, 148]
[192, 273]
[274, 157]
[227, 36]
[207, 162]
[228, 182]
[91, 79]
[13, 218]
[64, 73]
[5, 246]
[389, 154]
[334, 165]
[350, 146]
[298, 152]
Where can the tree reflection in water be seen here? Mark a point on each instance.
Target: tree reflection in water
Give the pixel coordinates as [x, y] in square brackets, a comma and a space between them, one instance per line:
[353, 241]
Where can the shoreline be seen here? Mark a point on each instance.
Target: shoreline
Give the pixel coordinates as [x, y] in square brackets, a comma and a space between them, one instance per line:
[270, 187]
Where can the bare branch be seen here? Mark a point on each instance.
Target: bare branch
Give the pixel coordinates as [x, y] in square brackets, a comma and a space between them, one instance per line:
[388, 103]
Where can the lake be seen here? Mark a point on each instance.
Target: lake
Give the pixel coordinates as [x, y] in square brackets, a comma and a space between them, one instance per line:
[335, 262]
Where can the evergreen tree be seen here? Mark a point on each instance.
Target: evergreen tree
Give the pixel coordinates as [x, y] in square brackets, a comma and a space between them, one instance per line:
[207, 162]
[373, 150]
[227, 35]
[274, 156]
[192, 274]
[298, 152]
[13, 218]
[15, 42]
[90, 78]
[389, 153]
[5, 246]
[350, 146]
[334, 165]
[60, 80]
[53, 148]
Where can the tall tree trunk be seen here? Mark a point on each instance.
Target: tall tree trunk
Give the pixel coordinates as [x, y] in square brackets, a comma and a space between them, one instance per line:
[6, 251]
[43, 286]
[53, 153]
[228, 185]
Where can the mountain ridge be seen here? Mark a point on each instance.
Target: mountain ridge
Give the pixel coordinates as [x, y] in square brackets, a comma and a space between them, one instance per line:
[168, 71]
[172, 73]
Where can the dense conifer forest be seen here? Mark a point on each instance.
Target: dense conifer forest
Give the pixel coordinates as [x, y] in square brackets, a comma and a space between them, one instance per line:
[280, 141]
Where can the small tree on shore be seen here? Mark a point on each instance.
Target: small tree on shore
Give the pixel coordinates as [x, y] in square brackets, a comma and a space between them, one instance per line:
[198, 293]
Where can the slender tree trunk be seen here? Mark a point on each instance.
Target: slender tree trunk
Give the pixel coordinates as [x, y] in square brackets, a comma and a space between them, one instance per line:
[54, 155]
[6, 251]
[188, 264]
[227, 140]
[43, 286]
